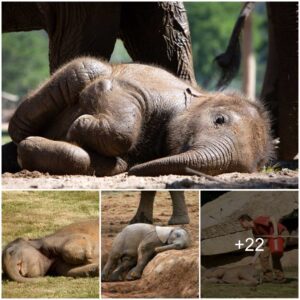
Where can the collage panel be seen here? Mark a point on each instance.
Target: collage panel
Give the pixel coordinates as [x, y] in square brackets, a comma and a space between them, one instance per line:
[137, 227]
[50, 244]
[249, 244]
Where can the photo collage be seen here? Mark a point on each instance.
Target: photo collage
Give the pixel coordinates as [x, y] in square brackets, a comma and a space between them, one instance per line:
[149, 150]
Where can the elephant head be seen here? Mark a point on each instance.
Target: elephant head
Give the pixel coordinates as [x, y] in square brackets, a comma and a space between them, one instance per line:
[175, 238]
[218, 133]
[21, 262]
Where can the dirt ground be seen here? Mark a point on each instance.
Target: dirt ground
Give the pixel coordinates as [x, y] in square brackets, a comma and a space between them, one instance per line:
[285, 178]
[169, 274]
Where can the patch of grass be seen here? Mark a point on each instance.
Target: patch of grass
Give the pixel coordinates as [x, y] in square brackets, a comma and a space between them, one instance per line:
[5, 137]
[265, 290]
[53, 287]
[35, 214]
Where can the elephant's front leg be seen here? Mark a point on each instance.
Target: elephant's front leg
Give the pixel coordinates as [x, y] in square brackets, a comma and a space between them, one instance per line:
[144, 213]
[113, 123]
[110, 265]
[56, 157]
[146, 252]
[127, 263]
[180, 212]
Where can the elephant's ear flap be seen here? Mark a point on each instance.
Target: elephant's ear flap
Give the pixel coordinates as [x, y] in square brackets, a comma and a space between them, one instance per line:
[163, 233]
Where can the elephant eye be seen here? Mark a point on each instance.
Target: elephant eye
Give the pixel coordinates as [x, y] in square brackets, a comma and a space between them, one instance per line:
[219, 120]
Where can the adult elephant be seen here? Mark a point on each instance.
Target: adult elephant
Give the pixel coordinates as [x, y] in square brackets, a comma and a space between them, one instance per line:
[152, 32]
[280, 87]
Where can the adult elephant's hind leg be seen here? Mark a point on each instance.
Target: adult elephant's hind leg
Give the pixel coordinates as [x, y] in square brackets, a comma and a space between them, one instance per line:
[56, 157]
[180, 213]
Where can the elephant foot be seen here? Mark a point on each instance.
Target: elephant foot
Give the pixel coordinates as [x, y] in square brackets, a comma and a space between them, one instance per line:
[176, 220]
[133, 275]
[104, 277]
[115, 277]
[141, 218]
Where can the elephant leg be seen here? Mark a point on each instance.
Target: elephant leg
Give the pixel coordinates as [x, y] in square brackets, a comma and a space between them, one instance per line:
[146, 252]
[212, 280]
[78, 250]
[56, 157]
[59, 92]
[109, 130]
[64, 269]
[162, 27]
[127, 263]
[9, 158]
[144, 213]
[180, 212]
[110, 265]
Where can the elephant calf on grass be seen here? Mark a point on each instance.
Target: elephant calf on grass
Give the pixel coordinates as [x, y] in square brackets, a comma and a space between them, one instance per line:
[245, 275]
[71, 251]
[136, 245]
[92, 117]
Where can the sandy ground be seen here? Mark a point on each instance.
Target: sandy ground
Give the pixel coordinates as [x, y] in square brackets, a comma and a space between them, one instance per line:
[284, 179]
[179, 279]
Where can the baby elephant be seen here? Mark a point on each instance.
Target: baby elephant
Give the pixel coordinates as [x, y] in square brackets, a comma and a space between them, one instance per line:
[93, 118]
[71, 251]
[246, 275]
[136, 245]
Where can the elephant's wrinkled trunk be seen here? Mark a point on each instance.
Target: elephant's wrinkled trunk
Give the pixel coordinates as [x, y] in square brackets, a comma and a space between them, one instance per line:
[213, 157]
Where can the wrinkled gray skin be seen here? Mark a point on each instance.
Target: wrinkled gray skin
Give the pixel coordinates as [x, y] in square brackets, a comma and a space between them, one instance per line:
[71, 251]
[136, 245]
[91, 28]
[96, 118]
[245, 275]
[144, 212]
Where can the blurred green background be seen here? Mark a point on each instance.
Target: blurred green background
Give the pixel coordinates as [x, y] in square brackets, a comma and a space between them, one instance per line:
[25, 54]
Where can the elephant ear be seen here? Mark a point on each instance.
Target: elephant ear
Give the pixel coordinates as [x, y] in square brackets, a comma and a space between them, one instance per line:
[163, 233]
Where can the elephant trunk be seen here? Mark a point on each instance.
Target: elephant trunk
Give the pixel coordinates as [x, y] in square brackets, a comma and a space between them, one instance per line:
[213, 158]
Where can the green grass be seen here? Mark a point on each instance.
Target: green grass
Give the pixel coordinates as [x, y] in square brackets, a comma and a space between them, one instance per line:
[265, 290]
[38, 213]
[5, 137]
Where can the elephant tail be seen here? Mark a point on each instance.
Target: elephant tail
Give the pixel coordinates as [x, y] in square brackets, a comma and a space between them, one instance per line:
[229, 61]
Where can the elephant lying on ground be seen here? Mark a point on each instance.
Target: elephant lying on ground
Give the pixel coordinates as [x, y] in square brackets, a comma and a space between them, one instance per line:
[246, 275]
[144, 212]
[95, 118]
[71, 251]
[136, 245]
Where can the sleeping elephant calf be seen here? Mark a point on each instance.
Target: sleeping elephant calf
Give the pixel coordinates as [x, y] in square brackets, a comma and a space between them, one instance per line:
[246, 275]
[136, 245]
[71, 251]
[95, 118]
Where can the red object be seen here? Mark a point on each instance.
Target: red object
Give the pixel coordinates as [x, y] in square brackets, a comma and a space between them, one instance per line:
[276, 245]
[264, 226]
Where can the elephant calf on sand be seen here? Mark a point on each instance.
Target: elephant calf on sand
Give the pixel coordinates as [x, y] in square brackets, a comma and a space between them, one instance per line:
[246, 275]
[91, 117]
[71, 251]
[136, 245]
